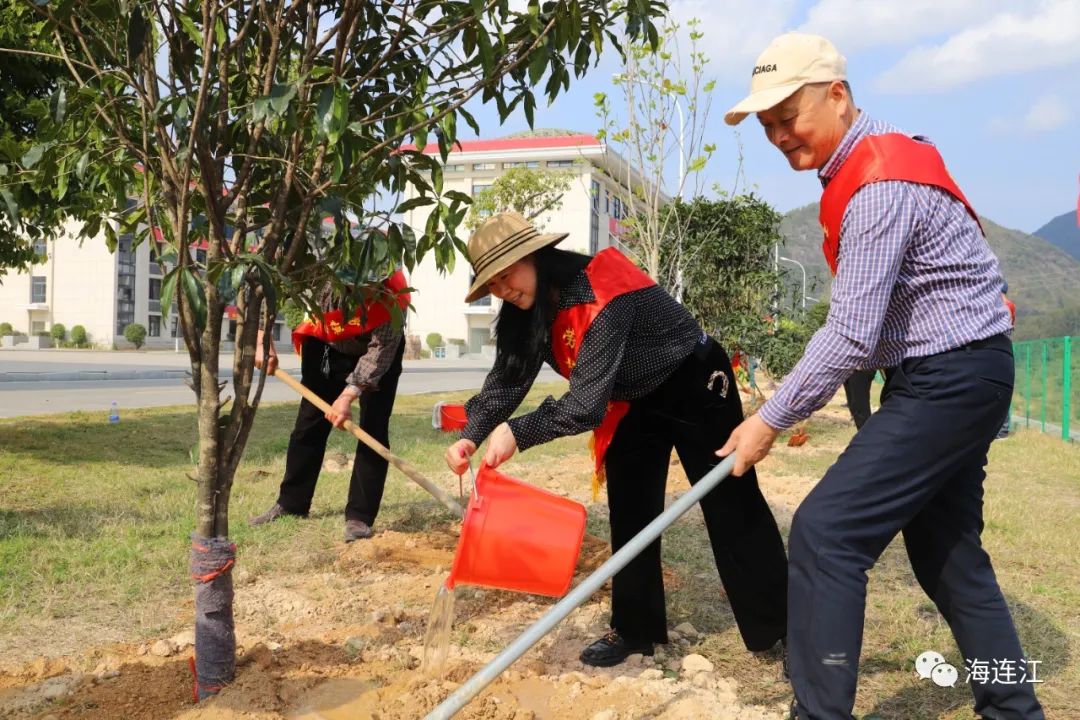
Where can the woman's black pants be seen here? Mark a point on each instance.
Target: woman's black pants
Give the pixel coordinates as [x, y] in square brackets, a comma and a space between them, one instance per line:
[693, 411]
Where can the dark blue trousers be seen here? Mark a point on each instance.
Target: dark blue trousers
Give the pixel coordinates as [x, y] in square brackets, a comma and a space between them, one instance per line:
[916, 467]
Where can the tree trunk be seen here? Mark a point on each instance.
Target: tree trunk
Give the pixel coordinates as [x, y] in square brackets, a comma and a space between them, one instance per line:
[213, 555]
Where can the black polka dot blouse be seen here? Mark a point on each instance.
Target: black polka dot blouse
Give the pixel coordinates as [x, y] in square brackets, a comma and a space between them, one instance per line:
[634, 344]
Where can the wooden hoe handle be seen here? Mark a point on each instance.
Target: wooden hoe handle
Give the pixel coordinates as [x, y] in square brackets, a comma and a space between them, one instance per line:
[405, 467]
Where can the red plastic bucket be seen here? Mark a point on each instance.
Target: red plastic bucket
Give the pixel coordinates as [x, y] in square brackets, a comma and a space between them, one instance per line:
[447, 417]
[518, 537]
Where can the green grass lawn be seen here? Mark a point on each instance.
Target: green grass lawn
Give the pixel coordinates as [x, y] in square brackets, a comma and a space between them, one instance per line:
[95, 520]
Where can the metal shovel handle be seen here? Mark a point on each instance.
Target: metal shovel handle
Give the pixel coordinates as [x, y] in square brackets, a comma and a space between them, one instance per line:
[472, 687]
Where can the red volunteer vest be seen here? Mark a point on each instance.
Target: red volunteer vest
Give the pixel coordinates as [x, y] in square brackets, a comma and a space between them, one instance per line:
[334, 328]
[611, 274]
[874, 159]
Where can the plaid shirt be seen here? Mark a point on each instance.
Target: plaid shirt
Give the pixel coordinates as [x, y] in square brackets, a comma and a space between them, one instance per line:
[915, 277]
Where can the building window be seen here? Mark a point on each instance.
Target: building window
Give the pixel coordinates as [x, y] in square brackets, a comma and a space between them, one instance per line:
[276, 331]
[173, 322]
[37, 289]
[530, 164]
[41, 249]
[483, 166]
[155, 289]
[560, 163]
[37, 327]
[478, 188]
[607, 202]
[594, 232]
[453, 168]
[155, 326]
[595, 196]
[481, 302]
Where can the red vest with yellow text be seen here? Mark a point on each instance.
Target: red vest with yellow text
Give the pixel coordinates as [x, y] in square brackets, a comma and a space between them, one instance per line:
[611, 274]
[876, 158]
[334, 328]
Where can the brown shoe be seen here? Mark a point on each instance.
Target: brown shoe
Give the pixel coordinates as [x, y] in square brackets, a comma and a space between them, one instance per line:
[270, 515]
[357, 530]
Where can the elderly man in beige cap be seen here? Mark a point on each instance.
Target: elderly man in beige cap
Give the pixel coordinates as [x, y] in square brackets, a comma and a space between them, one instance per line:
[916, 290]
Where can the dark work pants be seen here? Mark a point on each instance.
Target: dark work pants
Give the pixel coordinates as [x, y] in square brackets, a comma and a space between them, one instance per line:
[746, 542]
[307, 444]
[857, 391]
[915, 468]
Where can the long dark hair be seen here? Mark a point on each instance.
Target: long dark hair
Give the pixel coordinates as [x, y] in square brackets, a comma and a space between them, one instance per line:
[521, 335]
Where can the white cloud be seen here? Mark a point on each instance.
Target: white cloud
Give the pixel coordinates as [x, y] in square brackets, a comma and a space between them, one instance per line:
[736, 31]
[854, 25]
[1006, 44]
[1047, 113]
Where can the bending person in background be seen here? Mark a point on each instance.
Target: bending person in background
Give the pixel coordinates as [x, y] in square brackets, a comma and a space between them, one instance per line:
[857, 391]
[646, 378]
[342, 362]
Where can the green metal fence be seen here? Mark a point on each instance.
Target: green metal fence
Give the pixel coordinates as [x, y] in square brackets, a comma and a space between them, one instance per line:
[1047, 391]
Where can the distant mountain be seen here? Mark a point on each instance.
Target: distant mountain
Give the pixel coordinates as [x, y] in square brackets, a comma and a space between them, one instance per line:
[1063, 232]
[1044, 280]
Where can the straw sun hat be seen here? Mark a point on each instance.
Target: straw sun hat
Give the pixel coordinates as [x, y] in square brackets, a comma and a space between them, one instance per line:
[500, 242]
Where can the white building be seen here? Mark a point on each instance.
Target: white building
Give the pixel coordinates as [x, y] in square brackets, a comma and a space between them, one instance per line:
[590, 212]
[82, 283]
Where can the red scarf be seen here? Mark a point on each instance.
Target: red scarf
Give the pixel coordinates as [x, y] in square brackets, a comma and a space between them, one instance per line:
[611, 274]
[874, 159]
[367, 317]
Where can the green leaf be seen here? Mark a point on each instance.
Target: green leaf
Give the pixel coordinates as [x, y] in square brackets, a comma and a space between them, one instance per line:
[80, 166]
[59, 104]
[219, 31]
[487, 55]
[332, 113]
[191, 29]
[12, 206]
[437, 179]
[136, 34]
[260, 109]
[458, 196]
[281, 94]
[33, 155]
[194, 296]
[415, 202]
[470, 120]
[538, 63]
[269, 290]
[61, 180]
[236, 277]
[530, 107]
[168, 288]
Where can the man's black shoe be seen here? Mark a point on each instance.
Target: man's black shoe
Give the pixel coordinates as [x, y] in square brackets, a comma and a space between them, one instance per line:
[612, 649]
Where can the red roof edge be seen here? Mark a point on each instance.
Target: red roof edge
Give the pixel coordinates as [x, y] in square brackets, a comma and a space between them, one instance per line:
[504, 144]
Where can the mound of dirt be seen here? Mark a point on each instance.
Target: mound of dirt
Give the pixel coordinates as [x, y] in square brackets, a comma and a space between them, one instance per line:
[346, 642]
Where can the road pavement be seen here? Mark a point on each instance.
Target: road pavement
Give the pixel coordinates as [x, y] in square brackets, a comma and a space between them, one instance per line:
[38, 382]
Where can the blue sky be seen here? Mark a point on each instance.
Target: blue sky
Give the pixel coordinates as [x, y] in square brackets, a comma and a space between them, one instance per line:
[994, 83]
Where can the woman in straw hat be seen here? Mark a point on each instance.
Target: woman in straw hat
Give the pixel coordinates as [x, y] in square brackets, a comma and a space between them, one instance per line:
[645, 378]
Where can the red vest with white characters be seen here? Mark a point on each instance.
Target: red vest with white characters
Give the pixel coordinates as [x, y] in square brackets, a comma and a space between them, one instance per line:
[367, 317]
[877, 158]
[610, 274]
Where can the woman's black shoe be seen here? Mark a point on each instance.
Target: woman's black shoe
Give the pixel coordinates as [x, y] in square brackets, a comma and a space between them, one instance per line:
[612, 649]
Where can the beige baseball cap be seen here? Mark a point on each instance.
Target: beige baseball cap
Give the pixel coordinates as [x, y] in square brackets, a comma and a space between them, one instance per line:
[791, 61]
